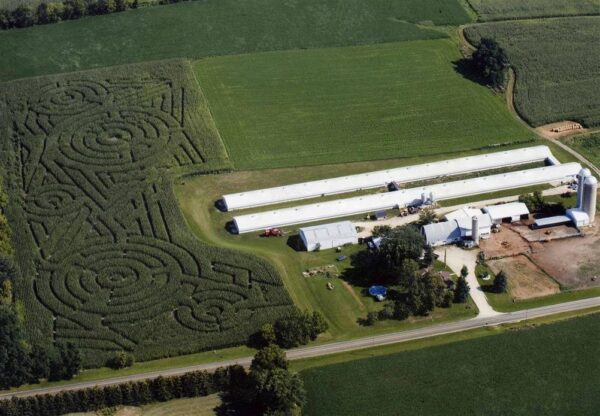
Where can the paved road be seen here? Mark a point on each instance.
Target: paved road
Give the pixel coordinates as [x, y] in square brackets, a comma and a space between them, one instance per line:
[342, 346]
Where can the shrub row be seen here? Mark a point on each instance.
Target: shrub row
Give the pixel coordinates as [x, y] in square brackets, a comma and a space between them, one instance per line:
[53, 12]
[193, 384]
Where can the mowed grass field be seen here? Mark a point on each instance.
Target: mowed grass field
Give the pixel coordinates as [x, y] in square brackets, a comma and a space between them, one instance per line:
[545, 370]
[489, 10]
[557, 64]
[588, 146]
[336, 105]
[197, 406]
[219, 27]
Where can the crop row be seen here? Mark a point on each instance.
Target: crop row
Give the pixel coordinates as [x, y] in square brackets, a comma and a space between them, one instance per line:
[110, 261]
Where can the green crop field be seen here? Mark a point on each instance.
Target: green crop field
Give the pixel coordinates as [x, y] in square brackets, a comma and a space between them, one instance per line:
[557, 64]
[547, 370]
[218, 27]
[106, 257]
[587, 145]
[337, 105]
[489, 10]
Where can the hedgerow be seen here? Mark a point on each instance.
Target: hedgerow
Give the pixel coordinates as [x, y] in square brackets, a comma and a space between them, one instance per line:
[192, 384]
[106, 257]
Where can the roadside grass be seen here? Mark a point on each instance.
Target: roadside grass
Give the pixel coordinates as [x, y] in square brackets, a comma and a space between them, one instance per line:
[547, 369]
[557, 65]
[490, 10]
[199, 29]
[320, 106]
[102, 373]
[196, 406]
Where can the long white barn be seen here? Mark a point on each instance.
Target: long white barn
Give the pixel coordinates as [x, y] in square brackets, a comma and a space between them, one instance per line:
[269, 196]
[402, 198]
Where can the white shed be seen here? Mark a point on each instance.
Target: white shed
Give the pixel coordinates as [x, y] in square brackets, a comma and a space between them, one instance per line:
[510, 212]
[325, 236]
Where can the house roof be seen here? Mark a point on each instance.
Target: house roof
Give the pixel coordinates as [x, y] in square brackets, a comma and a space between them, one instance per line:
[441, 231]
[269, 196]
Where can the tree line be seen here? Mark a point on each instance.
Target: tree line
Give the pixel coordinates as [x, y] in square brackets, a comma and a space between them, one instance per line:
[403, 262]
[268, 388]
[54, 12]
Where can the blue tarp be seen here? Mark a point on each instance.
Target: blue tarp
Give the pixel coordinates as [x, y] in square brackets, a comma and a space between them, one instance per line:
[377, 290]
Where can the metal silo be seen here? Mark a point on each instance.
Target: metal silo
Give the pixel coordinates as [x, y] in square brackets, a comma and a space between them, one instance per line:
[590, 192]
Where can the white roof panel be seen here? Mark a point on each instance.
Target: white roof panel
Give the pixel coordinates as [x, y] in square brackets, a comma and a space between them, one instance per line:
[413, 196]
[376, 179]
[464, 212]
[512, 209]
[325, 232]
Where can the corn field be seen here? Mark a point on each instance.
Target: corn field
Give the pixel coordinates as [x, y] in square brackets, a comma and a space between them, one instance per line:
[106, 259]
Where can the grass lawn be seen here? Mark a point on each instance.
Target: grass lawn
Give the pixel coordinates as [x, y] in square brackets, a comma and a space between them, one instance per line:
[557, 64]
[488, 10]
[196, 406]
[309, 107]
[545, 370]
[219, 27]
[588, 146]
[342, 306]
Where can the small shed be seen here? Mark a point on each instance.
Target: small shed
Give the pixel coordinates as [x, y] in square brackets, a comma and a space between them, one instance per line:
[511, 212]
[551, 221]
[326, 236]
[580, 218]
[380, 215]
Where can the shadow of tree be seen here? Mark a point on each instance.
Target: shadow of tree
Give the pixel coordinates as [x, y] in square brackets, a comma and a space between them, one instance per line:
[468, 71]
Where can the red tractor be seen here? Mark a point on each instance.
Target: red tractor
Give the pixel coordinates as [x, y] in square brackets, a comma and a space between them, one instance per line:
[272, 232]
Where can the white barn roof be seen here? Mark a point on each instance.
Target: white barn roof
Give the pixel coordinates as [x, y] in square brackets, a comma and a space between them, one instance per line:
[402, 198]
[464, 212]
[512, 209]
[327, 232]
[376, 179]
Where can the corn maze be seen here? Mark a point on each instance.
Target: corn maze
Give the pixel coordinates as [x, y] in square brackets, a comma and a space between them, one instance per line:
[106, 259]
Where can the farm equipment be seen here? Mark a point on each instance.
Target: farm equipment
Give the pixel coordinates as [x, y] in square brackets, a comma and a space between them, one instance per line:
[273, 232]
[496, 228]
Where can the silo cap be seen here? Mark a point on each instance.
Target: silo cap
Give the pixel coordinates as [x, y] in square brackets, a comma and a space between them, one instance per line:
[584, 172]
[591, 180]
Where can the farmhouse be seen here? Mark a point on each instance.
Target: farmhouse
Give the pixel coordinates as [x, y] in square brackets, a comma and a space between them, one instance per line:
[511, 212]
[403, 198]
[384, 178]
[326, 236]
[463, 224]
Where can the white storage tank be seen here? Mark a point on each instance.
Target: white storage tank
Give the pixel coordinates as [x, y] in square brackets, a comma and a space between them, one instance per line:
[581, 177]
[590, 192]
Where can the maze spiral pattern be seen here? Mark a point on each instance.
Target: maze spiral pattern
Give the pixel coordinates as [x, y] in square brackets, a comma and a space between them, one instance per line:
[70, 97]
[109, 279]
[113, 265]
[115, 140]
[54, 200]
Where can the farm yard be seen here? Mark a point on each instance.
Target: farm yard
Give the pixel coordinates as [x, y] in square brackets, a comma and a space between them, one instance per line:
[219, 27]
[321, 106]
[557, 64]
[105, 254]
[490, 10]
[538, 370]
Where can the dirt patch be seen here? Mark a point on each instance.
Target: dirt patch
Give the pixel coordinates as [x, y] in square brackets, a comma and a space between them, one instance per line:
[546, 234]
[560, 130]
[574, 262]
[506, 243]
[525, 279]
